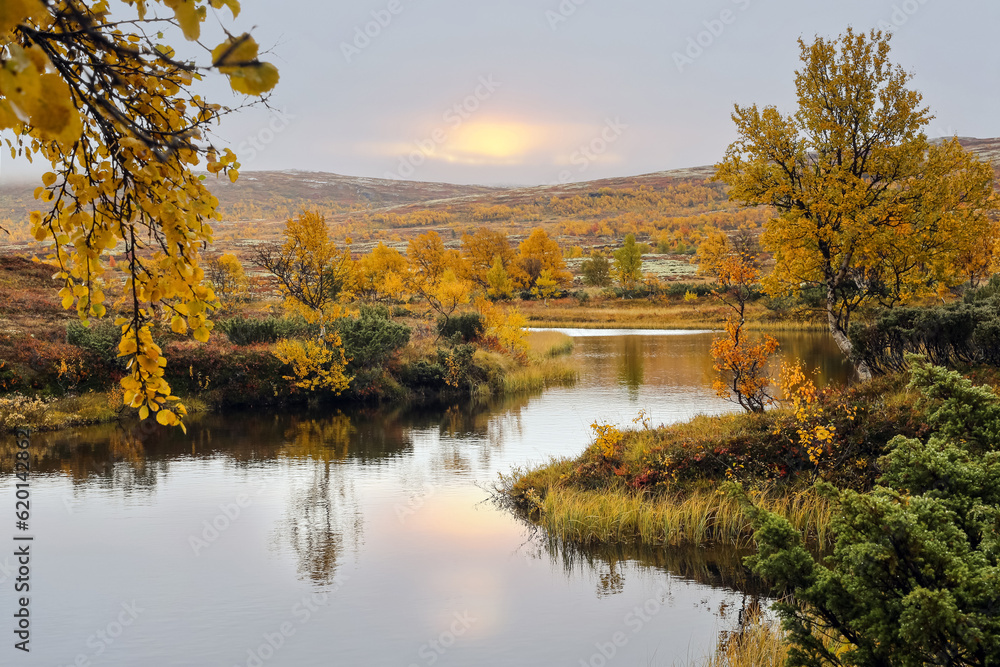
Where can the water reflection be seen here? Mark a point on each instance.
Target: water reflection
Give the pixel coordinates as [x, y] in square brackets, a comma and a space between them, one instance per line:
[326, 491]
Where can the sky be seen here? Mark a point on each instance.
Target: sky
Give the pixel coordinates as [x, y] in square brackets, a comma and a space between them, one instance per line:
[526, 92]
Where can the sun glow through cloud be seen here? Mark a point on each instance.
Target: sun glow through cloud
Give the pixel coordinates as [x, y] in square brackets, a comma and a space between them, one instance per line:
[491, 142]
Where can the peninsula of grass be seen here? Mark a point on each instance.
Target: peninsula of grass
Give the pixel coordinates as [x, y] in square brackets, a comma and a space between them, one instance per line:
[670, 485]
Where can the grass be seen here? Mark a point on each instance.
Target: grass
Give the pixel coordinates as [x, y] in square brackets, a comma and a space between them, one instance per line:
[549, 372]
[620, 515]
[610, 313]
[92, 407]
[549, 343]
[761, 644]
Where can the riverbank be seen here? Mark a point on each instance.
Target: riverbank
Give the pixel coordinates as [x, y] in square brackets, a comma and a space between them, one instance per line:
[221, 375]
[704, 312]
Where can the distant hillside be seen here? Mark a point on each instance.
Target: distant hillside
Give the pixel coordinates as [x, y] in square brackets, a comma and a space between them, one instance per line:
[664, 208]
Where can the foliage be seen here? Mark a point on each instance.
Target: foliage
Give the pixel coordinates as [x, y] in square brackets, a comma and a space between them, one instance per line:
[18, 411]
[434, 274]
[315, 364]
[912, 578]
[311, 271]
[743, 364]
[546, 286]
[740, 361]
[869, 210]
[499, 285]
[596, 270]
[469, 327]
[540, 253]
[504, 329]
[371, 339]
[628, 264]
[380, 276]
[256, 331]
[481, 252]
[99, 339]
[966, 332]
[228, 280]
[111, 108]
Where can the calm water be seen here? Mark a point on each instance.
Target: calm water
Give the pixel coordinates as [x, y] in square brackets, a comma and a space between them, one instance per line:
[363, 537]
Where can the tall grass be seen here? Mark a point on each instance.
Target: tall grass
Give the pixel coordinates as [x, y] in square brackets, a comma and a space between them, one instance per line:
[550, 372]
[697, 517]
[761, 644]
[549, 343]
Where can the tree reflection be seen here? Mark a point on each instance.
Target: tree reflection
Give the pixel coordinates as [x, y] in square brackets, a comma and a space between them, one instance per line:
[631, 364]
[322, 520]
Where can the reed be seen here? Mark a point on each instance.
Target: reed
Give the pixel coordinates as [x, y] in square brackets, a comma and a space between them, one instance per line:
[762, 644]
[702, 516]
[549, 343]
[549, 372]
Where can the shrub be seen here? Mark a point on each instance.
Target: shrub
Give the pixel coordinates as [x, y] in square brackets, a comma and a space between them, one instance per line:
[100, 340]
[248, 331]
[468, 327]
[912, 577]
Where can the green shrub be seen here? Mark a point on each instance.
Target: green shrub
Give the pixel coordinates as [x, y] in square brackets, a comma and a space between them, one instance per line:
[371, 338]
[248, 331]
[100, 340]
[912, 579]
[466, 327]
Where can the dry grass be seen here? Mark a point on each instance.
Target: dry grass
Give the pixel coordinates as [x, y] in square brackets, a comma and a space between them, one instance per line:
[703, 516]
[760, 645]
[548, 372]
[549, 343]
[645, 314]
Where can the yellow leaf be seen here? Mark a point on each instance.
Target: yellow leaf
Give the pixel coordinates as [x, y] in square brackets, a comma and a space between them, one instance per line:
[14, 12]
[48, 179]
[143, 412]
[166, 417]
[178, 325]
[254, 79]
[201, 334]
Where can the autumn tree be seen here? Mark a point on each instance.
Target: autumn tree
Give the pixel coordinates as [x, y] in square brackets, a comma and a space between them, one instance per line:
[628, 263]
[597, 270]
[499, 285]
[868, 209]
[545, 287]
[311, 270]
[228, 280]
[538, 253]
[435, 274]
[482, 249]
[105, 102]
[740, 359]
[380, 276]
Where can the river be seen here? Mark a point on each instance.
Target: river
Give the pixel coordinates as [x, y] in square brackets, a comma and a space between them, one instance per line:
[365, 537]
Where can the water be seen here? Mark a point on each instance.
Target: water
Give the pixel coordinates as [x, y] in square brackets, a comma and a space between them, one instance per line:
[363, 537]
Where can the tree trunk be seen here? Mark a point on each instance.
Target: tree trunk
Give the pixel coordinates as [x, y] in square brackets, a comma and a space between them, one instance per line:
[839, 332]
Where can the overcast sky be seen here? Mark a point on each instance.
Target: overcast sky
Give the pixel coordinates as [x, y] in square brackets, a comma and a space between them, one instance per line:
[541, 91]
